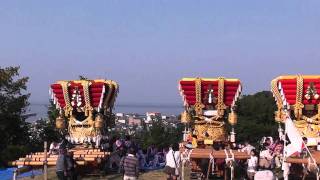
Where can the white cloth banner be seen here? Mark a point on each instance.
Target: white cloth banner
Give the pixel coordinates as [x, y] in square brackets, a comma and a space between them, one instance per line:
[294, 137]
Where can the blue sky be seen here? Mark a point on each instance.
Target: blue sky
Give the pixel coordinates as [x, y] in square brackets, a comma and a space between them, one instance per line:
[147, 46]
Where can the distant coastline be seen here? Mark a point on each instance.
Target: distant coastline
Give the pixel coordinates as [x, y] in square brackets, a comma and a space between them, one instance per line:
[167, 109]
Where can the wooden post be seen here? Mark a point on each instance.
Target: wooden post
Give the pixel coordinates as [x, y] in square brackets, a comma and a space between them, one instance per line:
[45, 164]
[182, 170]
[225, 172]
[208, 170]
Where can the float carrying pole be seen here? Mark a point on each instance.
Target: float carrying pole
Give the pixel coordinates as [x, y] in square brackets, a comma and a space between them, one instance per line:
[45, 162]
[15, 174]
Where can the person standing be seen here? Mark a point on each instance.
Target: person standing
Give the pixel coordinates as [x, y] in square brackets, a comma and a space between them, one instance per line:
[71, 170]
[247, 147]
[61, 165]
[252, 165]
[265, 157]
[173, 162]
[130, 166]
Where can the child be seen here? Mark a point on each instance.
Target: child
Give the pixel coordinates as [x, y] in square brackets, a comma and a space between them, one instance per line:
[252, 164]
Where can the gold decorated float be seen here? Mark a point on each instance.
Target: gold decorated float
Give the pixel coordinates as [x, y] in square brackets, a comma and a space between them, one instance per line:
[85, 108]
[298, 95]
[208, 102]
[85, 114]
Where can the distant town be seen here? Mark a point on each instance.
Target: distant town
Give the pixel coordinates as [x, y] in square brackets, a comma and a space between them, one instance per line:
[132, 122]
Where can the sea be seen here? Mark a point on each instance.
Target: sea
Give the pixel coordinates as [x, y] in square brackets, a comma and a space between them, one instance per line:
[40, 110]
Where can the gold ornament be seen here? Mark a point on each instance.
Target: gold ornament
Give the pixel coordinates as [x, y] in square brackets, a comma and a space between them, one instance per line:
[98, 123]
[185, 117]
[60, 124]
[233, 118]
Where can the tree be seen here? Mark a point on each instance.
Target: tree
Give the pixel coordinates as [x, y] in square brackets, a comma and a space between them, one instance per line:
[45, 129]
[13, 103]
[81, 77]
[160, 134]
[256, 117]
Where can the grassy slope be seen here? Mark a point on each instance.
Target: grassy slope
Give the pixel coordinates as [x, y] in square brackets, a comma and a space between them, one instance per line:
[154, 175]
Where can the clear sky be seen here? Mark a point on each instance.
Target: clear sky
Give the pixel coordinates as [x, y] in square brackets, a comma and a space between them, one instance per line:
[147, 46]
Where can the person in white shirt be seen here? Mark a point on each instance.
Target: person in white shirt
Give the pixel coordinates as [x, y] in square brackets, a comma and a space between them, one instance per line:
[252, 164]
[54, 148]
[265, 158]
[247, 148]
[173, 162]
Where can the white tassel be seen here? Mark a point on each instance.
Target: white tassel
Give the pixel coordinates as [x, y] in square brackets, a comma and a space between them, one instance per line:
[236, 95]
[101, 97]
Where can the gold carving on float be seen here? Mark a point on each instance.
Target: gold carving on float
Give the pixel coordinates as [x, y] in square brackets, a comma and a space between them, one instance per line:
[216, 133]
[81, 130]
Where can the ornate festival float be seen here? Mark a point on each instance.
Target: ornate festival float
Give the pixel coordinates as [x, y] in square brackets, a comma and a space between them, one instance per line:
[85, 113]
[209, 103]
[298, 101]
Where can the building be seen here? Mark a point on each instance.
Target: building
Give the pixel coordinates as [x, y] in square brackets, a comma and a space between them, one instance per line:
[151, 116]
[134, 121]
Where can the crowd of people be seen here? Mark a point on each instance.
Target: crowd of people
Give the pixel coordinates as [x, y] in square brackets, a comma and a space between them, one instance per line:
[129, 158]
[149, 158]
[266, 159]
[267, 156]
[121, 150]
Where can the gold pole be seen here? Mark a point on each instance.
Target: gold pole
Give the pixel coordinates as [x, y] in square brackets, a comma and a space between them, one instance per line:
[45, 164]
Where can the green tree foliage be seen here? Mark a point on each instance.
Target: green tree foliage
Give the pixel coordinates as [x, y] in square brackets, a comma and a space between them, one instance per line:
[13, 103]
[256, 117]
[45, 129]
[160, 134]
[81, 77]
